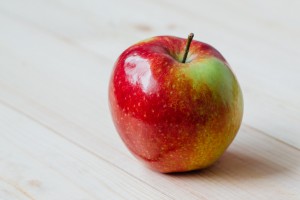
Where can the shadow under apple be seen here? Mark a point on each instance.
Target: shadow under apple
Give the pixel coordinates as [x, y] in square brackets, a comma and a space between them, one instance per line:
[237, 166]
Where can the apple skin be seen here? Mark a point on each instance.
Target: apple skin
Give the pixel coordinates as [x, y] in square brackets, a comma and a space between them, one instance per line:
[175, 116]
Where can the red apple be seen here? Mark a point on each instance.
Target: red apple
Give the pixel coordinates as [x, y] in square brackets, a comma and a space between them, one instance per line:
[175, 113]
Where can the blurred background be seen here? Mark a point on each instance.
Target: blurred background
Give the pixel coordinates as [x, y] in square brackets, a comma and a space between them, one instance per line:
[80, 40]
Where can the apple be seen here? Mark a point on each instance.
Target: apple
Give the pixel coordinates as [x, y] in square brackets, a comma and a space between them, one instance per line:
[175, 103]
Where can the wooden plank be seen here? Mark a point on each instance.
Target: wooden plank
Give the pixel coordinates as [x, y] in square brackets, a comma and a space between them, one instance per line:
[44, 165]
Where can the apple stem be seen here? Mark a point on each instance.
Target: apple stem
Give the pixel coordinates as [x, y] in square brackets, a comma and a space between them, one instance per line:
[187, 47]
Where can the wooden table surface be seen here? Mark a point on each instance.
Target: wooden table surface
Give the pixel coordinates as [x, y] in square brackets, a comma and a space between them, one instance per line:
[57, 140]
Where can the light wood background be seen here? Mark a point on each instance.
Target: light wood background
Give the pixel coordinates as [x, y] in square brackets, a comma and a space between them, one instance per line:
[57, 140]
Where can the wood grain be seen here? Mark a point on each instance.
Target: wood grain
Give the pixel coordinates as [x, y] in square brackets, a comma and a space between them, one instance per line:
[57, 137]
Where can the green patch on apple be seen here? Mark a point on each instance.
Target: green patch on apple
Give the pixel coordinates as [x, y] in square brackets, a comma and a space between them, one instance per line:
[215, 74]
